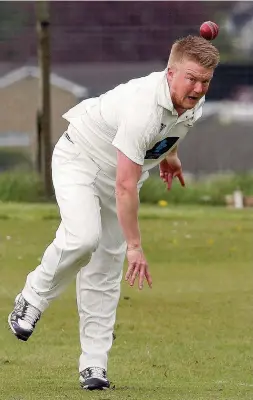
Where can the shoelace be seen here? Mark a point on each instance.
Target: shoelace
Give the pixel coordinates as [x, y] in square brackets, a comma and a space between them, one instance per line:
[96, 372]
[27, 311]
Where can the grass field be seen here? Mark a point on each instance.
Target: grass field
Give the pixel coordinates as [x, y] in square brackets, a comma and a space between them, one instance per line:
[189, 338]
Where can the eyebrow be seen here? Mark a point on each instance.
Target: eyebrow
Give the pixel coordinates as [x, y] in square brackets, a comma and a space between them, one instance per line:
[194, 76]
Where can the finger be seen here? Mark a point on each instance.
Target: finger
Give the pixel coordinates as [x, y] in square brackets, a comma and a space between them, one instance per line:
[141, 276]
[129, 272]
[148, 278]
[134, 275]
[181, 178]
[169, 181]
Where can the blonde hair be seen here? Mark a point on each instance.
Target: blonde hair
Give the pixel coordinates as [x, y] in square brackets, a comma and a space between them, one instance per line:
[194, 48]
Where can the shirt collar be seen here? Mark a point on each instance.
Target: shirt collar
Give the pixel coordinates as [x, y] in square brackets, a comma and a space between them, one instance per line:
[164, 98]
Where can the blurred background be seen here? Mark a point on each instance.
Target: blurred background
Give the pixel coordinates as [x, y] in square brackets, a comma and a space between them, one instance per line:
[85, 48]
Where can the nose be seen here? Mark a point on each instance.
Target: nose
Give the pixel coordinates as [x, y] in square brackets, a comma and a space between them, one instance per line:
[198, 88]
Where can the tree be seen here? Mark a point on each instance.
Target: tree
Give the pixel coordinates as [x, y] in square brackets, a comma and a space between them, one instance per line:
[44, 109]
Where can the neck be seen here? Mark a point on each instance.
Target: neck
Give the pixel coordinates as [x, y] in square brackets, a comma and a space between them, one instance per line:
[179, 110]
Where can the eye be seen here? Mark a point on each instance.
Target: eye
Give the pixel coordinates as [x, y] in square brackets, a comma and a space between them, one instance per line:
[191, 79]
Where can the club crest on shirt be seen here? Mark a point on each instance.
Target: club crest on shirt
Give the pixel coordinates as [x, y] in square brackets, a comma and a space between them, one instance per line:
[161, 147]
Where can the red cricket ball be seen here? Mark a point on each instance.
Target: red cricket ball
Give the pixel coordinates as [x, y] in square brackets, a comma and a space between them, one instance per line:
[209, 30]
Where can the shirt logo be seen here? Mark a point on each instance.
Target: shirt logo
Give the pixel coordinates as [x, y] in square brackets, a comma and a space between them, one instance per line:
[68, 137]
[162, 127]
[161, 147]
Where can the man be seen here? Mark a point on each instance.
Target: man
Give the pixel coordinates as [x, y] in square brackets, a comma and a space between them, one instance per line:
[98, 168]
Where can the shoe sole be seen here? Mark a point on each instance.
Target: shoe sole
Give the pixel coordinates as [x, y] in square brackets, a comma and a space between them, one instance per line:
[87, 387]
[18, 336]
[95, 386]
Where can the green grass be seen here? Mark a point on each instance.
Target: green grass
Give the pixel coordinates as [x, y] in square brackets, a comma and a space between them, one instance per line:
[208, 190]
[23, 184]
[189, 338]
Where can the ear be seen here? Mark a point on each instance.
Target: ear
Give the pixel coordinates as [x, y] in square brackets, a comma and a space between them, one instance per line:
[170, 74]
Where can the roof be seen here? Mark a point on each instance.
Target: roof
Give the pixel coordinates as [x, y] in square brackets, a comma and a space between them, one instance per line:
[93, 79]
[101, 77]
[18, 74]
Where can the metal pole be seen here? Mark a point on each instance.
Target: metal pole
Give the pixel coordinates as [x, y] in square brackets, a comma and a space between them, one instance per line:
[43, 35]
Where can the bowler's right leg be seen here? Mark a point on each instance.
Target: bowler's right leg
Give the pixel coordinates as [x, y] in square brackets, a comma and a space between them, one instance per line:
[74, 177]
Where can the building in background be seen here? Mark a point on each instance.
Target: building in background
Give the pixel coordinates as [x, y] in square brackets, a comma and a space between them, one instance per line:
[97, 45]
[18, 106]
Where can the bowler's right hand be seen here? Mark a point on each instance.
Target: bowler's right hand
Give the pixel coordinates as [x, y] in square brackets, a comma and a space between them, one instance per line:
[137, 267]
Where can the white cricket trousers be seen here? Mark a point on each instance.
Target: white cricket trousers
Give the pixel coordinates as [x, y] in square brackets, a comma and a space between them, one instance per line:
[89, 243]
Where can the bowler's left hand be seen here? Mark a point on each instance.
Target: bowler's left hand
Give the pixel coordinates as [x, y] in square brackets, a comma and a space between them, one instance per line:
[170, 168]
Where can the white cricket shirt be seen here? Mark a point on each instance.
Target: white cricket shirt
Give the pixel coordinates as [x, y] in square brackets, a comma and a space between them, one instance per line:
[137, 117]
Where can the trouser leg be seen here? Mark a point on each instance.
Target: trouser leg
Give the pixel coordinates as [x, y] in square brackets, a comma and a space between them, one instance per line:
[74, 178]
[98, 291]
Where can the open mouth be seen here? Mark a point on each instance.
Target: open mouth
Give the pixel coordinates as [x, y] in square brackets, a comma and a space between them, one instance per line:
[192, 98]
